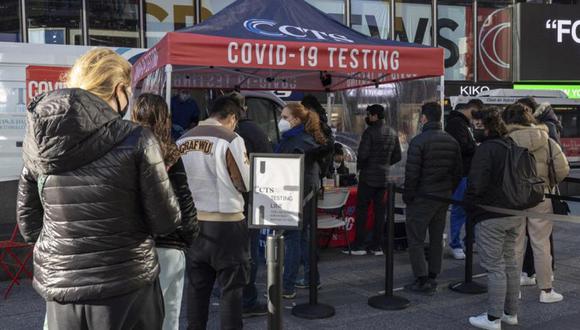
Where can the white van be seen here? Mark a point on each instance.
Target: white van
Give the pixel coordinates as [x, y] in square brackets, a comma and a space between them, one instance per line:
[14, 59]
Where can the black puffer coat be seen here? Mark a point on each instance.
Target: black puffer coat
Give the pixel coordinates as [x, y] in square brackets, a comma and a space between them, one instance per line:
[433, 163]
[93, 193]
[379, 148]
[459, 127]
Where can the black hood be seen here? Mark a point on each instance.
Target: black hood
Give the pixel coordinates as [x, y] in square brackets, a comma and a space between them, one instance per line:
[69, 128]
[459, 115]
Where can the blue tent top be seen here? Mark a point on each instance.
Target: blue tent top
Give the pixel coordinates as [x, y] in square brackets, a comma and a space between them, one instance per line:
[283, 20]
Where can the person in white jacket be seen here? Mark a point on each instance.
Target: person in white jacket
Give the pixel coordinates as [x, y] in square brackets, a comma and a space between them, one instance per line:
[218, 172]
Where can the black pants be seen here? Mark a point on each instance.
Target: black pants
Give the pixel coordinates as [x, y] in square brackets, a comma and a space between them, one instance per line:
[365, 195]
[142, 309]
[219, 253]
[250, 290]
[529, 267]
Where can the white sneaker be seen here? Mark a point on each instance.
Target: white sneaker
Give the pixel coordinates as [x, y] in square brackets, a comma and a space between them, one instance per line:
[550, 297]
[482, 322]
[526, 280]
[509, 319]
[458, 254]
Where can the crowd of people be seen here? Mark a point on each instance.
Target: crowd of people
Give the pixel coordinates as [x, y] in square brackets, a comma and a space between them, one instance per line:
[122, 212]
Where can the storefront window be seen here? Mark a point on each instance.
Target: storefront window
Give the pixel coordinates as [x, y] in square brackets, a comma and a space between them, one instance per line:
[371, 17]
[455, 35]
[54, 21]
[211, 7]
[413, 21]
[113, 23]
[494, 40]
[332, 8]
[164, 16]
[9, 21]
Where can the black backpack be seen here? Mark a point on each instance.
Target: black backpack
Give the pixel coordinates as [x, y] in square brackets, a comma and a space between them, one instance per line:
[521, 185]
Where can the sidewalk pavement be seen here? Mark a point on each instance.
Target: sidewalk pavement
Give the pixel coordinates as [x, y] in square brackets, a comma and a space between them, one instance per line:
[348, 281]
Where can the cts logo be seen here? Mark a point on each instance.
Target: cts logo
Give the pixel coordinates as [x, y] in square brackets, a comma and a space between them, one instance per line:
[563, 26]
[270, 28]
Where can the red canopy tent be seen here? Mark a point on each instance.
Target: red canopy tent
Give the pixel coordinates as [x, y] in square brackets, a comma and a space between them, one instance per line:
[279, 45]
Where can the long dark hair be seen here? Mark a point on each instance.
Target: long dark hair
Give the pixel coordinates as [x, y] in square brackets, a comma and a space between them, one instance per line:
[492, 121]
[151, 111]
[518, 115]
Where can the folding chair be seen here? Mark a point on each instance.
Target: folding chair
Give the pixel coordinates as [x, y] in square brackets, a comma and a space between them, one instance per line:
[7, 248]
[334, 200]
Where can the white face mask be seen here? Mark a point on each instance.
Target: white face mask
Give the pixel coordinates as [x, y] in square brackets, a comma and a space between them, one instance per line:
[284, 126]
[337, 165]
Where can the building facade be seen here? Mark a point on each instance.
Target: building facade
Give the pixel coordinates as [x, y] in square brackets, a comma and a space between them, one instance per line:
[480, 37]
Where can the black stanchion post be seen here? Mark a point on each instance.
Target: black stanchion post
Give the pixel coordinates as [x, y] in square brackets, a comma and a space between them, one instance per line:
[388, 301]
[275, 260]
[468, 285]
[313, 310]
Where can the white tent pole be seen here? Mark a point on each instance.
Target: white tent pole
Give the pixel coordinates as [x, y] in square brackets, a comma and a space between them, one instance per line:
[168, 81]
[329, 97]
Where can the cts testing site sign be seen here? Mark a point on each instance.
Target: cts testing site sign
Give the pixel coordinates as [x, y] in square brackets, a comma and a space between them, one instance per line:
[276, 191]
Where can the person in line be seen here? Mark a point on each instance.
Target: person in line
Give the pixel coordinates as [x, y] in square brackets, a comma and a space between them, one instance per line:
[378, 150]
[433, 167]
[459, 127]
[184, 113]
[151, 111]
[256, 141]
[301, 133]
[552, 166]
[311, 103]
[495, 233]
[218, 170]
[544, 114]
[93, 193]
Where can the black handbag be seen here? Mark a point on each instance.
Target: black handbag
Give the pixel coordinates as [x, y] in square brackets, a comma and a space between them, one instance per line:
[558, 206]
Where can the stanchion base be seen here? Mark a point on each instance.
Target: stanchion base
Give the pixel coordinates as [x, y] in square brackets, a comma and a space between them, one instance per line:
[388, 303]
[468, 287]
[313, 312]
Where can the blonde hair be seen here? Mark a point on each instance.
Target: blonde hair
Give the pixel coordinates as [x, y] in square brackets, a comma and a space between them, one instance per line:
[310, 119]
[100, 71]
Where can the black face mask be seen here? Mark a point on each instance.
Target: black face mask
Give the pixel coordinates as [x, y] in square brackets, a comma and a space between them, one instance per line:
[368, 121]
[479, 135]
[122, 112]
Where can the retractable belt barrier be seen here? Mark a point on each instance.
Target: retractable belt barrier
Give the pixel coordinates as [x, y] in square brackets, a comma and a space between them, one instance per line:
[501, 210]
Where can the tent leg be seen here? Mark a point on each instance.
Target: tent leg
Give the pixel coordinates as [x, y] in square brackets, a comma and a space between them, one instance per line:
[329, 103]
[168, 81]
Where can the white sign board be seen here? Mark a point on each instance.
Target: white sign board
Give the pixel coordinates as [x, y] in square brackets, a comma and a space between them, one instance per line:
[276, 191]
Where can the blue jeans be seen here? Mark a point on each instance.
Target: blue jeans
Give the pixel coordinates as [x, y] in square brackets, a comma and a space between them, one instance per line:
[457, 216]
[296, 251]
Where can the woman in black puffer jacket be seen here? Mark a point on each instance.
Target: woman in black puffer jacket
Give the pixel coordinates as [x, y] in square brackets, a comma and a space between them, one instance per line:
[93, 193]
[151, 111]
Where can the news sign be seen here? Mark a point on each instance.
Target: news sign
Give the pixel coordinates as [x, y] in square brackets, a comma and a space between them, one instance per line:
[41, 79]
[549, 42]
[276, 191]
